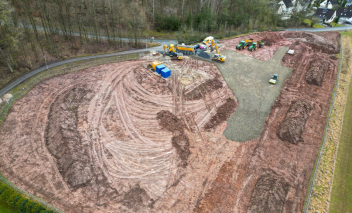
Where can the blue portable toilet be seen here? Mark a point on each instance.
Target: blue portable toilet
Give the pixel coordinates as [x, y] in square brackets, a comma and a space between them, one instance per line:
[159, 68]
[165, 72]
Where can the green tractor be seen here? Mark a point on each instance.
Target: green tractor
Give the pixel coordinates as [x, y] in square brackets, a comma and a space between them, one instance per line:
[253, 47]
[241, 45]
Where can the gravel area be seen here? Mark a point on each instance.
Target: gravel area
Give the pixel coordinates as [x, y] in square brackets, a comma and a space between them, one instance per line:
[248, 79]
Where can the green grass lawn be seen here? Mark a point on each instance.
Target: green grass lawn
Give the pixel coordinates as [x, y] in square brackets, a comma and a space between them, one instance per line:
[341, 195]
[4, 208]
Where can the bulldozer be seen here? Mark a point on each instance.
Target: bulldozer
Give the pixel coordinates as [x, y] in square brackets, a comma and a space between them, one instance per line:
[170, 50]
[217, 57]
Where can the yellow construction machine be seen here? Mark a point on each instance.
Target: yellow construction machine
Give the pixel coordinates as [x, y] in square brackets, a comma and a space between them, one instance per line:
[153, 65]
[170, 50]
[217, 57]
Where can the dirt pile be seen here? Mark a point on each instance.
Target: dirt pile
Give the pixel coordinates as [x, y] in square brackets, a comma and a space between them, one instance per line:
[223, 113]
[269, 194]
[318, 42]
[270, 38]
[293, 125]
[136, 199]
[179, 141]
[170, 122]
[64, 141]
[316, 72]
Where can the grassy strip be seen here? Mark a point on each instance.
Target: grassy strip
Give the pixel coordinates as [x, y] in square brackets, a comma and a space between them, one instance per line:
[341, 195]
[323, 180]
[5, 208]
[318, 26]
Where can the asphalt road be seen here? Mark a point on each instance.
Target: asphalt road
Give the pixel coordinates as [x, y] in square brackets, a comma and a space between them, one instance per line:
[161, 41]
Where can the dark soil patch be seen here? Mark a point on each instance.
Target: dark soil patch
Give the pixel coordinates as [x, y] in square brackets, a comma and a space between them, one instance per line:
[210, 86]
[269, 194]
[316, 72]
[223, 113]
[64, 141]
[170, 122]
[136, 198]
[293, 125]
[181, 143]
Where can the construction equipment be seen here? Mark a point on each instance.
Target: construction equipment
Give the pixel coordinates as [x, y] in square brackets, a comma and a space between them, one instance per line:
[273, 80]
[153, 65]
[260, 44]
[170, 50]
[217, 57]
[253, 47]
[207, 40]
[185, 49]
[241, 45]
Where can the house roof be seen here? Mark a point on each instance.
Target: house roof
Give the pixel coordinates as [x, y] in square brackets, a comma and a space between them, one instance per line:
[288, 3]
[324, 13]
[345, 12]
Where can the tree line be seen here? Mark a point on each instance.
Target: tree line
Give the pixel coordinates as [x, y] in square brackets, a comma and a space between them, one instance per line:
[32, 29]
[19, 202]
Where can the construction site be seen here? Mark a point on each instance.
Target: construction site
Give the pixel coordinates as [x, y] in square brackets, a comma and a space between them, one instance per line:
[208, 133]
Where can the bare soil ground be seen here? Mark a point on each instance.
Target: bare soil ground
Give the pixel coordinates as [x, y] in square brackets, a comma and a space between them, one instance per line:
[118, 138]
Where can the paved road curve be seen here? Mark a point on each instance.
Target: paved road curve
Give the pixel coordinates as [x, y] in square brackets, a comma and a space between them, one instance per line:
[162, 41]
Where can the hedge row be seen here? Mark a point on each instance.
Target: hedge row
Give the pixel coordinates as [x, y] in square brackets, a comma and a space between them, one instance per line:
[19, 202]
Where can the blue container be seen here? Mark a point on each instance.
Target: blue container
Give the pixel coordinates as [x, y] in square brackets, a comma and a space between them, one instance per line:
[165, 72]
[159, 68]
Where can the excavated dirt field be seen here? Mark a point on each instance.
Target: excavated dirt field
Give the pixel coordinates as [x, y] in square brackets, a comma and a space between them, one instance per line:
[118, 138]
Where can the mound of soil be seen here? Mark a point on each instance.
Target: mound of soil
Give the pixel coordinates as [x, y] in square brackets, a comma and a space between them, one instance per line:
[318, 42]
[64, 141]
[136, 198]
[269, 194]
[316, 72]
[292, 127]
[270, 38]
[170, 122]
[181, 143]
[223, 114]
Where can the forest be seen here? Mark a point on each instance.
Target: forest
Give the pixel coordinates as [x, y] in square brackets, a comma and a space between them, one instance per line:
[35, 32]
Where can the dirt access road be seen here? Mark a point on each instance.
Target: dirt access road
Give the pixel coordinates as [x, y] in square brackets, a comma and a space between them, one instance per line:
[119, 138]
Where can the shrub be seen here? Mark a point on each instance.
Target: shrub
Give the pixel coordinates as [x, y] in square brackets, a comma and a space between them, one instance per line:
[13, 199]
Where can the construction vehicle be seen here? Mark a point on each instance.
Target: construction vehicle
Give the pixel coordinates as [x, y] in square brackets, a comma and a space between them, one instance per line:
[273, 80]
[241, 45]
[170, 50]
[185, 49]
[207, 40]
[253, 47]
[217, 57]
[153, 65]
[260, 44]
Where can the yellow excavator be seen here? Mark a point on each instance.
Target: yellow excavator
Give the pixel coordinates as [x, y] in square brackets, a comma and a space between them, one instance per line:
[217, 57]
[172, 52]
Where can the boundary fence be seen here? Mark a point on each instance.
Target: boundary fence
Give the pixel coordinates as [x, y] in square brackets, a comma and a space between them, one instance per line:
[305, 210]
[23, 88]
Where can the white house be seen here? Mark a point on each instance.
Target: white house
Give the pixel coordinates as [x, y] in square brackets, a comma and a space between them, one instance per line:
[323, 4]
[327, 15]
